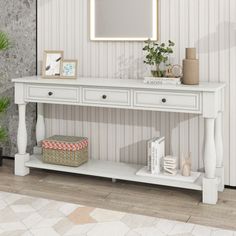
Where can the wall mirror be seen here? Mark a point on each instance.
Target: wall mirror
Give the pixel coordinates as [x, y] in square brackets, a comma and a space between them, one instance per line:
[123, 20]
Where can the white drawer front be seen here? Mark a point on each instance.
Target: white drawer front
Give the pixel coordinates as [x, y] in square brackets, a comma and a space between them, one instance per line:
[106, 96]
[38, 92]
[168, 100]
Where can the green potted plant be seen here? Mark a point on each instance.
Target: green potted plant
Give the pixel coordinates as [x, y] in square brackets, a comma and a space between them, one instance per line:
[4, 102]
[157, 56]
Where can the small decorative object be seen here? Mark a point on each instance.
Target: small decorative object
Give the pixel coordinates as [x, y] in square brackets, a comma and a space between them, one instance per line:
[186, 165]
[156, 152]
[65, 150]
[170, 165]
[168, 72]
[158, 55]
[69, 69]
[52, 61]
[176, 71]
[191, 67]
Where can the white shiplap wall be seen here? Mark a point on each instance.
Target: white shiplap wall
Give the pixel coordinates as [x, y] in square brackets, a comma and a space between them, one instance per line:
[120, 135]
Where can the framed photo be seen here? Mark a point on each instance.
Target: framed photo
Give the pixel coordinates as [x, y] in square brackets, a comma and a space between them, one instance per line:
[69, 69]
[52, 62]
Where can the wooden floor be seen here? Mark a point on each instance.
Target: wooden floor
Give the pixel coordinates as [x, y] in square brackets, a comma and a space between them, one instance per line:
[164, 202]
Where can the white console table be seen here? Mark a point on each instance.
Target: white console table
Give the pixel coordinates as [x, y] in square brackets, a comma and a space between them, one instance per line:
[206, 99]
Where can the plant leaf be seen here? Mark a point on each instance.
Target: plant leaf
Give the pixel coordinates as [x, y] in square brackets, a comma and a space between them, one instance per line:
[4, 104]
[3, 134]
[4, 41]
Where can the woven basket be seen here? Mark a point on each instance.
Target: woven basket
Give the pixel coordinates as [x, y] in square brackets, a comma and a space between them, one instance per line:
[65, 150]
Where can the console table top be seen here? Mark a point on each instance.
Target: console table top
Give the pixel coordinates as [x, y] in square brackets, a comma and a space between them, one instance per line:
[121, 83]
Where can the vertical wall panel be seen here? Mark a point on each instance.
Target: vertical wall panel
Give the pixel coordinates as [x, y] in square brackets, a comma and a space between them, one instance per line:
[120, 135]
[193, 119]
[175, 36]
[203, 53]
[183, 43]
[164, 37]
[224, 75]
[232, 124]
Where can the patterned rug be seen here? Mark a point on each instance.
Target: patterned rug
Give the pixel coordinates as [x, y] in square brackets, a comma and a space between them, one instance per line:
[25, 216]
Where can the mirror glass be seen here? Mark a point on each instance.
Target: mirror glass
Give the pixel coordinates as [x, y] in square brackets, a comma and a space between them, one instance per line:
[134, 20]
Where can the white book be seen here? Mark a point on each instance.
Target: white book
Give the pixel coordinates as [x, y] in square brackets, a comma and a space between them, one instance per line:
[159, 152]
[149, 152]
[153, 80]
[163, 82]
[153, 157]
[162, 78]
[170, 171]
[157, 158]
[155, 154]
[170, 165]
[162, 150]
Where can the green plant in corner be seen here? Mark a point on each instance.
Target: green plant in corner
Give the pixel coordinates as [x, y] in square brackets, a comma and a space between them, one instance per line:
[157, 54]
[4, 41]
[4, 102]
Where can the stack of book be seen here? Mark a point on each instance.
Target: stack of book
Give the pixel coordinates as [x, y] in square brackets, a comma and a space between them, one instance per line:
[162, 80]
[155, 154]
[170, 165]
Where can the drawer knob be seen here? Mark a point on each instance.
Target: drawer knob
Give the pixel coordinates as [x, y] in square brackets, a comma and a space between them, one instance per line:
[50, 93]
[104, 96]
[163, 100]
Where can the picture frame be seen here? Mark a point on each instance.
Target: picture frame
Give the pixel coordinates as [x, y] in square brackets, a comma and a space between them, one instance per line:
[69, 69]
[52, 62]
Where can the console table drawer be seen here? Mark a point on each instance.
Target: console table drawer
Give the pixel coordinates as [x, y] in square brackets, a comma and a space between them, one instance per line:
[106, 96]
[34, 92]
[168, 100]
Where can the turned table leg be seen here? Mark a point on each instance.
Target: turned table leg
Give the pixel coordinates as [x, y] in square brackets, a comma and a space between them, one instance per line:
[210, 193]
[219, 151]
[40, 128]
[21, 157]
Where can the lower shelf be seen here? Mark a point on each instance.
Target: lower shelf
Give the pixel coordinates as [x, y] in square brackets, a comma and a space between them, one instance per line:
[113, 170]
[178, 177]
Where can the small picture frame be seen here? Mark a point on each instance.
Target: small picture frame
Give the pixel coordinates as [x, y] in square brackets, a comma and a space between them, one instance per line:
[69, 69]
[52, 62]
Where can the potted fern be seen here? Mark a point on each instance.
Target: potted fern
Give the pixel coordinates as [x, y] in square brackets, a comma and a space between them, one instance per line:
[157, 56]
[4, 102]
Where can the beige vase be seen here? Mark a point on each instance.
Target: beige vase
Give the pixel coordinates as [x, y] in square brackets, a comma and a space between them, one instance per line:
[186, 170]
[190, 68]
[186, 165]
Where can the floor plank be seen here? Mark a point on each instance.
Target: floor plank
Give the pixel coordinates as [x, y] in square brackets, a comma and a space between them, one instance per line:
[137, 198]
